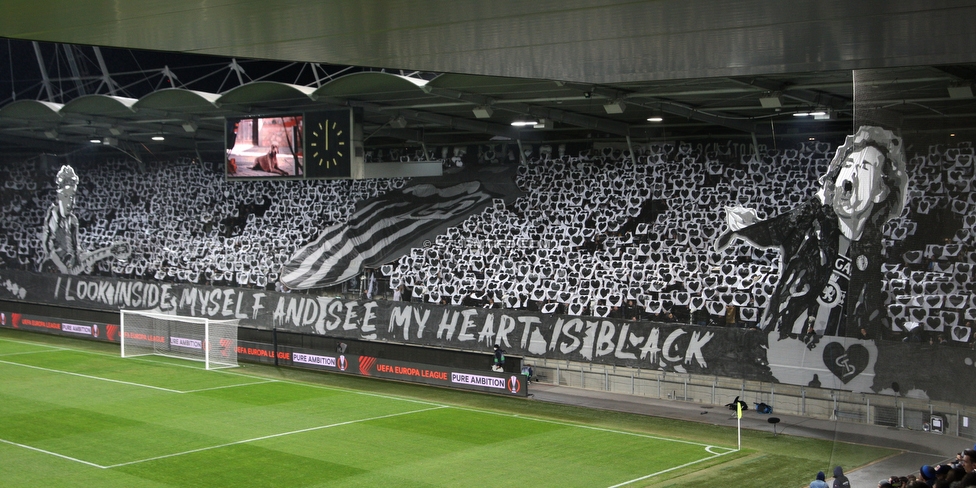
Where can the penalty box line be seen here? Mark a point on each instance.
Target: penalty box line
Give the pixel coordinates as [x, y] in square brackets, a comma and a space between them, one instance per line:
[272, 436]
[50, 453]
[130, 383]
[244, 375]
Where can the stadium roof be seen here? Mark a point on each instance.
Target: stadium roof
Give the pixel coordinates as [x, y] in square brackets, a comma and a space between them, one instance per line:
[461, 72]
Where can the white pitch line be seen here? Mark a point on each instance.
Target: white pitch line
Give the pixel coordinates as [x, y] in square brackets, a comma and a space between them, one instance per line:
[62, 456]
[667, 470]
[590, 427]
[98, 378]
[233, 373]
[272, 436]
[231, 386]
[31, 352]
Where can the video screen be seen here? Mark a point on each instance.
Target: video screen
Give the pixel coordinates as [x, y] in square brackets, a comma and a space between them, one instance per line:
[265, 147]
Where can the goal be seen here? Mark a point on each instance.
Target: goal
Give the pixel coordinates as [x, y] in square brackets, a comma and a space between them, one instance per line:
[198, 339]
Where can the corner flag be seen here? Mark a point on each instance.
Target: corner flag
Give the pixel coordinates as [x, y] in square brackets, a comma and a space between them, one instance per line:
[738, 424]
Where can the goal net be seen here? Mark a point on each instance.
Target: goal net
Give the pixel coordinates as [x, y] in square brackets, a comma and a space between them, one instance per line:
[199, 339]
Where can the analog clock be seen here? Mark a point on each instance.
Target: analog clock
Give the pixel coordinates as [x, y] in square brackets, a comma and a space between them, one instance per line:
[329, 140]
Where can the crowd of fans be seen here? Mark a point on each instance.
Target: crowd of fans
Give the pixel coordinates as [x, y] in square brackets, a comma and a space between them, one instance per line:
[957, 473]
[597, 233]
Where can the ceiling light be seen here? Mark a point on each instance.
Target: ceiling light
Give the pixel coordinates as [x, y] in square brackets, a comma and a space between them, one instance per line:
[190, 126]
[115, 131]
[524, 122]
[801, 114]
[656, 118]
[771, 100]
[543, 124]
[482, 112]
[398, 122]
[51, 134]
[615, 107]
[963, 90]
[95, 140]
[158, 138]
[818, 113]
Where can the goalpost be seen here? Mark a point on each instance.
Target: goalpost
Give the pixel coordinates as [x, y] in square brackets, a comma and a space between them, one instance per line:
[213, 342]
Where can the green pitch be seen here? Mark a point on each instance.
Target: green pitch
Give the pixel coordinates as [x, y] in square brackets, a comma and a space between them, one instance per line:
[75, 414]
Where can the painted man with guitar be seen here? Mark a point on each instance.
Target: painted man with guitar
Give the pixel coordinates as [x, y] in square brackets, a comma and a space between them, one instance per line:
[61, 251]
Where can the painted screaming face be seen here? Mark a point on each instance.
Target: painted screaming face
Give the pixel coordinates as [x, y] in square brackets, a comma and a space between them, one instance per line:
[858, 187]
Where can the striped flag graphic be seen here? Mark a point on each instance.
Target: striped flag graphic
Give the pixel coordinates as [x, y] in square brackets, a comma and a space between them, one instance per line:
[383, 229]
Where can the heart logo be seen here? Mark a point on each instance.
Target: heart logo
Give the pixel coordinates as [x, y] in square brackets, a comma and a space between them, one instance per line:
[748, 314]
[847, 363]
[950, 319]
[933, 301]
[956, 301]
[696, 303]
[918, 314]
[740, 299]
[716, 308]
[961, 334]
[933, 324]
[896, 311]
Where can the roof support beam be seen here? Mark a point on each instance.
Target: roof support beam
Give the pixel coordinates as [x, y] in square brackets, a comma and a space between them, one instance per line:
[579, 120]
[69, 53]
[443, 120]
[106, 79]
[45, 79]
[664, 106]
[815, 98]
[744, 125]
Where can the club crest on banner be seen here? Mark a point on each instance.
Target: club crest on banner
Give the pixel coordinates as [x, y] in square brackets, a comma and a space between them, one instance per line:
[839, 363]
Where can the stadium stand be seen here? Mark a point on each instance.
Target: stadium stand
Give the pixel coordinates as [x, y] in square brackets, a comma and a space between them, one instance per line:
[601, 233]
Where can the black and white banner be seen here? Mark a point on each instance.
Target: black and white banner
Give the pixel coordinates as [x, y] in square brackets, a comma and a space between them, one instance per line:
[680, 348]
[844, 364]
